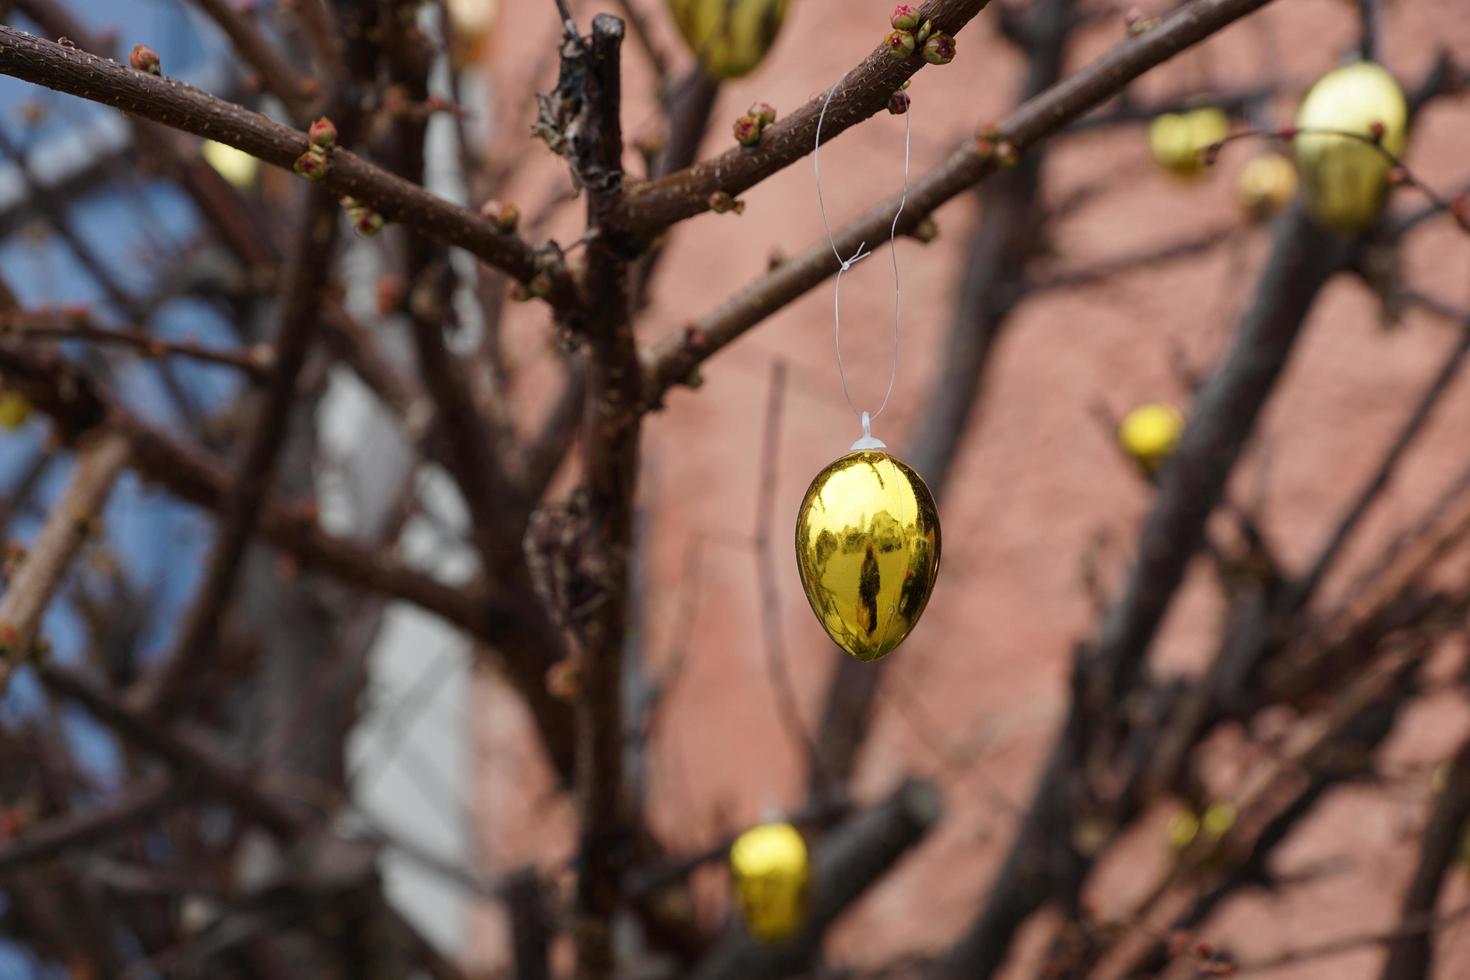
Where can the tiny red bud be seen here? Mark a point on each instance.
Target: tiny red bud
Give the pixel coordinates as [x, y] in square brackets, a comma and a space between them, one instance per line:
[389, 294]
[925, 231]
[502, 214]
[145, 58]
[939, 49]
[312, 164]
[764, 113]
[898, 103]
[1376, 131]
[368, 223]
[694, 337]
[747, 131]
[322, 133]
[1287, 132]
[900, 44]
[1460, 208]
[720, 202]
[905, 17]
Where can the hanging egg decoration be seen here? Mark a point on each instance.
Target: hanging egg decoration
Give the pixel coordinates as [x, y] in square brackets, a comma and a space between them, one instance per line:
[235, 166]
[1178, 140]
[772, 880]
[1344, 177]
[867, 549]
[471, 23]
[729, 37]
[1150, 434]
[1267, 185]
[15, 409]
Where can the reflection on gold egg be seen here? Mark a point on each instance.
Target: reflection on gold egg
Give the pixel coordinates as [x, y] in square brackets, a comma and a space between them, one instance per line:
[867, 547]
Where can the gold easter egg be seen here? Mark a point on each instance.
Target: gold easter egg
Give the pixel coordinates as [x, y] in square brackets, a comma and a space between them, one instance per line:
[867, 548]
[15, 409]
[772, 880]
[1150, 433]
[1345, 178]
[1178, 140]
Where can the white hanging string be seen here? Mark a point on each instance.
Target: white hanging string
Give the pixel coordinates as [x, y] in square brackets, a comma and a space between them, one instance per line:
[843, 265]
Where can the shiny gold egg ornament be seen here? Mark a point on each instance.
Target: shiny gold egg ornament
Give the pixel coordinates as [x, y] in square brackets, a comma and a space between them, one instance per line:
[867, 548]
[1345, 178]
[772, 880]
[1150, 434]
[1178, 140]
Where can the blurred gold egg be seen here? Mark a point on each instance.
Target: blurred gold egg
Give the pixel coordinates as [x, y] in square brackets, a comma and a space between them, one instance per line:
[1343, 178]
[772, 880]
[471, 22]
[1178, 140]
[1150, 434]
[15, 409]
[729, 37]
[867, 548]
[235, 166]
[1267, 184]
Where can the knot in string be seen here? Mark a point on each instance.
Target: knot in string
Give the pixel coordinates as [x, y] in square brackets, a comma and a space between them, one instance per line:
[845, 265]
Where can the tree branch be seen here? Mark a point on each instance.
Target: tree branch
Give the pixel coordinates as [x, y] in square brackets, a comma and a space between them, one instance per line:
[863, 92]
[299, 319]
[181, 106]
[674, 360]
[72, 521]
[1410, 953]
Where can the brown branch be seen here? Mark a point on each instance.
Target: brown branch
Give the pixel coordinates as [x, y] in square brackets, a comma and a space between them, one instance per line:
[72, 521]
[1411, 952]
[674, 360]
[79, 407]
[863, 92]
[614, 393]
[299, 318]
[191, 756]
[1351, 944]
[181, 106]
[788, 708]
[1418, 418]
[1043, 860]
[62, 324]
[1098, 271]
[55, 836]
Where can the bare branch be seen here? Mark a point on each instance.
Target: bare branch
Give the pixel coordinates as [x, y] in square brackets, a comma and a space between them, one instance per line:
[674, 360]
[181, 106]
[72, 521]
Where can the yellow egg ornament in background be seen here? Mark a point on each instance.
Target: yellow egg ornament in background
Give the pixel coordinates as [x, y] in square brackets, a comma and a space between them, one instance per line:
[1345, 178]
[729, 37]
[1178, 140]
[867, 549]
[1267, 185]
[235, 166]
[1150, 434]
[471, 22]
[15, 409]
[772, 880]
